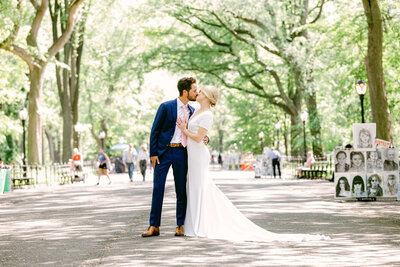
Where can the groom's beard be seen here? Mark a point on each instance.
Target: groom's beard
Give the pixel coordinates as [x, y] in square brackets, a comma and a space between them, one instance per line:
[192, 98]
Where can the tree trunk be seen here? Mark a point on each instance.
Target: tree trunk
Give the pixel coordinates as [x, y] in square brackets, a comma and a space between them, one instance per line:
[37, 65]
[58, 151]
[9, 150]
[373, 60]
[285, 136]
[314, 124]
[67, 132]
[296, 135]
[52, 146]
[35, 126]
[68, 79]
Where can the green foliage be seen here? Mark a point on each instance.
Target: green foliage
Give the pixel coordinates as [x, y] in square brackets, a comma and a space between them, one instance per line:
[13, 84]
[126, 43]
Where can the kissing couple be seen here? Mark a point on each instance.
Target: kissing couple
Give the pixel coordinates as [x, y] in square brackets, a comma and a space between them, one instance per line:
[202, 210]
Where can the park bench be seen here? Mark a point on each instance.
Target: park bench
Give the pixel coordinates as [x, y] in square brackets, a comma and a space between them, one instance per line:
[64, 173]
[20, 176]
[319, 169]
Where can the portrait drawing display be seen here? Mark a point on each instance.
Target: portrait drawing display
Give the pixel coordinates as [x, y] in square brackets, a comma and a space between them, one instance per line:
[364, 136]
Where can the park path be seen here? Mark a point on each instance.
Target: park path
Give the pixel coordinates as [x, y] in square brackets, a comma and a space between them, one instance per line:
[89, 225]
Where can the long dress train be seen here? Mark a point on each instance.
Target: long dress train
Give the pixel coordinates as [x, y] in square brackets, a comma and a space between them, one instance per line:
[209, 212]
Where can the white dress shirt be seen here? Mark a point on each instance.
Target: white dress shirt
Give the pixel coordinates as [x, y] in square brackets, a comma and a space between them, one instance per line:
[177, 138]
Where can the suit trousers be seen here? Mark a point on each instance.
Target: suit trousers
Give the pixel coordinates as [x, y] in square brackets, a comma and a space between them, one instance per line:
[177, 158]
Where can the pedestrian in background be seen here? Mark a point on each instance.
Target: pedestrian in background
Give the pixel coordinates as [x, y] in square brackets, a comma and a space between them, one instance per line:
[128, 160]
[220, 160]
[77, 160]
[143, 160]
[307, 165]
[275, 156]
[103, 159]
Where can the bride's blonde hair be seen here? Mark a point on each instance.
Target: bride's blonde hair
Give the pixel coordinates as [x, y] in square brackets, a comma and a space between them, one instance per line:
[211, 93]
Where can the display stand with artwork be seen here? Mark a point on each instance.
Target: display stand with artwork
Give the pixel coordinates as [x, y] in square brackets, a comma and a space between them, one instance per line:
[369, 170]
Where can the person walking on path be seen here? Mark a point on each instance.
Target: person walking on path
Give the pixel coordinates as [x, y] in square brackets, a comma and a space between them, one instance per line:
[128, 160]
[143, 160]
[275, 156]
[220, 160]
[168, 147]
[103, 159]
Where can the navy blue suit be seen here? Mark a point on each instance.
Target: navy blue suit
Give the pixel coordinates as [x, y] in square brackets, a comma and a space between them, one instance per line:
[161, 135]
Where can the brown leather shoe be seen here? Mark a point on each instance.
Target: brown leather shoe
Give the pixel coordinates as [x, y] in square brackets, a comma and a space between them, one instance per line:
[152, 231]
[179, 231]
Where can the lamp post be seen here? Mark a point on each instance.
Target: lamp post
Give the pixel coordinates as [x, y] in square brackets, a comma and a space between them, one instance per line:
[102, 136]
[361, 88]
[78, 129]
[23, 115]
[303, 117]
[261, 136]
[277, 127]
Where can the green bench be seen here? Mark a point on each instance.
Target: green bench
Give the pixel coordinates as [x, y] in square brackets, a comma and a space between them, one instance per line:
[318, 170]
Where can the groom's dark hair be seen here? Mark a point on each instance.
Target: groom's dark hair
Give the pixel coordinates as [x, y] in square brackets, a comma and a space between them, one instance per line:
[185, 83]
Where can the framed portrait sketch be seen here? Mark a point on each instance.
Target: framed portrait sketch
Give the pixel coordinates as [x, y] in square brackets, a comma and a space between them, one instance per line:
[374, 185]
[391, 162]
[342, 186]
[364, 136]
[357, 161]
[342, 160]
[358, 185]
[390, 184]
[374, 161]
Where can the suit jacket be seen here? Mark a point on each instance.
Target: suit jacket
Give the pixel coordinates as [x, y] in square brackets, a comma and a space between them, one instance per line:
[164, 127]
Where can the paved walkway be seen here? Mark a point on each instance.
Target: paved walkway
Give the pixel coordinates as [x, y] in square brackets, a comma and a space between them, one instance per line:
[89, 225]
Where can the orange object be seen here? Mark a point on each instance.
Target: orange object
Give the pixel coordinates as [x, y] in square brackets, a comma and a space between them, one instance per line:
[246, 167]
[76, 157]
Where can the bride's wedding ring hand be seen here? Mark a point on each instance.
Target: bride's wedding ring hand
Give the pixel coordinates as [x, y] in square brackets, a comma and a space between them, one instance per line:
[181, 124]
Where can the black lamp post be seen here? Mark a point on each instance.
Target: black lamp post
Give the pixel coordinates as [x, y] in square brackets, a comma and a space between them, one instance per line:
[102, 136]
[23, 115]
[303, 117]
[277, 127]
[361, 88]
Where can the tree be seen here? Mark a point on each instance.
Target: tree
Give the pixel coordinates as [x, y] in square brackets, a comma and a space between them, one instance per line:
[68, 73]
[36, 61]
[376, 80]
[264, 50]
[113, 76]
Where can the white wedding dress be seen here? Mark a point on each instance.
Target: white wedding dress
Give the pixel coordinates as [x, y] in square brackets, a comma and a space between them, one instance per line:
[209, 212]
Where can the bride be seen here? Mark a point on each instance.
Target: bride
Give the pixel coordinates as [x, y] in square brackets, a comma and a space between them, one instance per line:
[209, 212]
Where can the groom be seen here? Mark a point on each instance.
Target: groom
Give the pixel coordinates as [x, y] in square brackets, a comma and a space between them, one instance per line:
[168, 147]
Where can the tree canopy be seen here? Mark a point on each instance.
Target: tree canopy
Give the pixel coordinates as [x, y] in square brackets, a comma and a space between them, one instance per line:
[271, 60]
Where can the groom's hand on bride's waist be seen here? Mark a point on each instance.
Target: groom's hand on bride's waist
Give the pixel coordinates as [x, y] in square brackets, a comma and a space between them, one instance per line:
[206, 140]
[154, 160]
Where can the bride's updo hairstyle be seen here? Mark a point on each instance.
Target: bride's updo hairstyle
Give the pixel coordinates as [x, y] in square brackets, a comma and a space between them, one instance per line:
[211, 93]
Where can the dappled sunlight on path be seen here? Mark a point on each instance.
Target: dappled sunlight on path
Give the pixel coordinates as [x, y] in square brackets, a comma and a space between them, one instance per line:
[88, 225]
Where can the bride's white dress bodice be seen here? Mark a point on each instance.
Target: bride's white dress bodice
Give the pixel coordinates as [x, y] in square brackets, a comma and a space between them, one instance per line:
[209, 212]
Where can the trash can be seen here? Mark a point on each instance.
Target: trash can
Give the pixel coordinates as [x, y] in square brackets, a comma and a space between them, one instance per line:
[5, 181]
[2, 180]
[7, 184]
